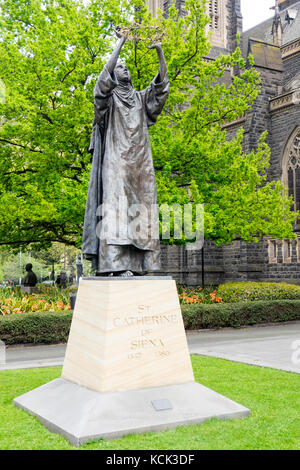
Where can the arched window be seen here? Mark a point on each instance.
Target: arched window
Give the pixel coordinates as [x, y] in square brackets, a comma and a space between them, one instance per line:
[291, 169]
[273, 251]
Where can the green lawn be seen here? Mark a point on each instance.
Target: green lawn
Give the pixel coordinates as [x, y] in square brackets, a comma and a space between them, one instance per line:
[272, 396]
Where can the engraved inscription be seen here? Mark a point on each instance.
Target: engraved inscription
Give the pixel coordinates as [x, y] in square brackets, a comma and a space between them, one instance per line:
[149, 322]
[145, 320]
[147, 343]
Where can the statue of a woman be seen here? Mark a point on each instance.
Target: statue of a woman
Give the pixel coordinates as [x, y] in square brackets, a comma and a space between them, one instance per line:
[122, 172]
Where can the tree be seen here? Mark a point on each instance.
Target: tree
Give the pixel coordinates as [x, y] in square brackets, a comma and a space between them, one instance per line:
[58, 253]
[51, 53]
[12, 270]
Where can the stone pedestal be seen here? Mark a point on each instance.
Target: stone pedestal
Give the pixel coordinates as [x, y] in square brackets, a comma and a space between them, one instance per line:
[127, 368]
[127, 335]
[29, 290]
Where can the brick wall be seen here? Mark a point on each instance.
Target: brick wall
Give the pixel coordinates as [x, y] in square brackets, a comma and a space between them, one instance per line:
[282, 125]
[238, 261]
[259, 119]
[291, 66]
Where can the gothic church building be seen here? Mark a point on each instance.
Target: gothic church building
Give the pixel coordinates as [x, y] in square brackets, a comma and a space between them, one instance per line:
[275, 46]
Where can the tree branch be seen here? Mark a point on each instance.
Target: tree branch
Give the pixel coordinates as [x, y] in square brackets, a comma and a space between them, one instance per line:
[68, 73]
[20, 145]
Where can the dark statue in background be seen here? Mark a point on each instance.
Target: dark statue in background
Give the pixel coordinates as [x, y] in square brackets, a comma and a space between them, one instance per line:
[30, 279]
[122, 170]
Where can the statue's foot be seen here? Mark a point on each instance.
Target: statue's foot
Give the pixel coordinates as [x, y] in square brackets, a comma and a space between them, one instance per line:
[127, 274]
[119, 274]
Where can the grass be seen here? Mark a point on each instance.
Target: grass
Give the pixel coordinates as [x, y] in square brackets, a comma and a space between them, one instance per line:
[272, 396]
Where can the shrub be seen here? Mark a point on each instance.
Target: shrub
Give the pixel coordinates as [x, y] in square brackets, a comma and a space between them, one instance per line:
[38, 327]
[53, 327]
[200, 316]
[251, 291]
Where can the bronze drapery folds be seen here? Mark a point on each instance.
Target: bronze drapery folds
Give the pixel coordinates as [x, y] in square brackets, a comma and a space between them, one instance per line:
[122, 182]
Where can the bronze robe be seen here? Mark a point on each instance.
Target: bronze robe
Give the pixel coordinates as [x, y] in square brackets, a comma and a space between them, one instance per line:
[123, 173]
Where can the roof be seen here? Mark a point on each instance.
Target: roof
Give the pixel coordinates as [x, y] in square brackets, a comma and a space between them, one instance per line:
[266, 55]
[290, 19]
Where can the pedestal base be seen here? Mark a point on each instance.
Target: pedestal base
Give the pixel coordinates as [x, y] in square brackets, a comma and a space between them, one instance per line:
[127, 367]
[81, 415]
[127, 334]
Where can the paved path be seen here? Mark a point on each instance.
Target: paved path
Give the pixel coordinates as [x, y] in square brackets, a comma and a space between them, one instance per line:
[27, 357]
[269, 346]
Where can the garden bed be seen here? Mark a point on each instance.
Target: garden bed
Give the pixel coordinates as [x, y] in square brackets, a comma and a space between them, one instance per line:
[49, 299]
[53, 327]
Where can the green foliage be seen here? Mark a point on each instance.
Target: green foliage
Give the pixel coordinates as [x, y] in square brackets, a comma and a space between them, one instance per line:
[53, 327]
[250, 291]
[233, 292]
[62, 255]
[51, 53]
[38, 327]
[12, 270]
[235, 315]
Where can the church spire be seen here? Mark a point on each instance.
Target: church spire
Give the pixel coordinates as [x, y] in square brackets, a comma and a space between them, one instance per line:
[277, 26]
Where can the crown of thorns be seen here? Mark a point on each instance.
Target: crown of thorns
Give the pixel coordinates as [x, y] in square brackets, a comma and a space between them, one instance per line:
[139, 32]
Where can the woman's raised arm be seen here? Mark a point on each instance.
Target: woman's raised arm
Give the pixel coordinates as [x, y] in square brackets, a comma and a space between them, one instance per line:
[116, 53]
[162, 62]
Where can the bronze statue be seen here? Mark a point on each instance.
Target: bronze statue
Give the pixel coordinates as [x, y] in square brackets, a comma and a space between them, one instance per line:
[30, 279]
[122, 171]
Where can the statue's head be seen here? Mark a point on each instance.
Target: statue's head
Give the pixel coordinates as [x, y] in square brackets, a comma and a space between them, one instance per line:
[122, 74]
[28, 267]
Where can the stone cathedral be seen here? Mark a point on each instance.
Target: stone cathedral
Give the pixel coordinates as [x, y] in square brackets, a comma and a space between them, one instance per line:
[275, 46]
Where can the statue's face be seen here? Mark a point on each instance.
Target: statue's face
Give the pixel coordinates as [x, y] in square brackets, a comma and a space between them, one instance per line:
[122, 73]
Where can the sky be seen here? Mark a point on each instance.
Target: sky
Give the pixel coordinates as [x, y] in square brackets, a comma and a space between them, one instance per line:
[256, 11]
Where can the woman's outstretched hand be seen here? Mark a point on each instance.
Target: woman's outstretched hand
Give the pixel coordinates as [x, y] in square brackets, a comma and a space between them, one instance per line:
[112, 62]
[157, 46]
[120, 34]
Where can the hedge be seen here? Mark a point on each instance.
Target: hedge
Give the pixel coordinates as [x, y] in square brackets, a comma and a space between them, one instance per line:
[53, 327]
[249, 291]
[41, 327]
[201, 316]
